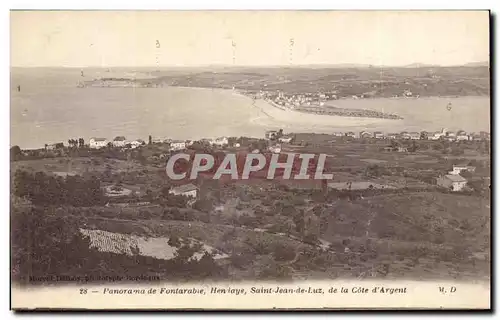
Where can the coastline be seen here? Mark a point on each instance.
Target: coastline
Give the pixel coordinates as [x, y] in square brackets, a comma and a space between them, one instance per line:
[239, 115]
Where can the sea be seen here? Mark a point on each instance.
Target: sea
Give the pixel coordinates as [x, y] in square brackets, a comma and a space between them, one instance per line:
[48, 107]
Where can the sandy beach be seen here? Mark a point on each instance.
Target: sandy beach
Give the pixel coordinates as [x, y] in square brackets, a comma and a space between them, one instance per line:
[50, 108]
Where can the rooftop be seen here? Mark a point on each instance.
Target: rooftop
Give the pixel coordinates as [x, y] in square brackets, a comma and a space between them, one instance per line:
[455, 178]
[98, 139]
[185, 188]
[120, 138]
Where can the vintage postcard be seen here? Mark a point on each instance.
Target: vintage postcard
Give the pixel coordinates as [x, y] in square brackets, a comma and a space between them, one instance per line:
[250, 160]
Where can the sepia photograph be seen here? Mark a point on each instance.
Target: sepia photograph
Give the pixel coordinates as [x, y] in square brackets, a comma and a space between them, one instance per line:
[250, 159]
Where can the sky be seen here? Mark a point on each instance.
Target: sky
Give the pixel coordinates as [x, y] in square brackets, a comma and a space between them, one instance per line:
[250, 38]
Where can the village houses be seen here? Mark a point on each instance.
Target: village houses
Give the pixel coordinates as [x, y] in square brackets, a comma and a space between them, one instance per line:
[393, 136]
[159, 140]
[54, 146]
[435, 135]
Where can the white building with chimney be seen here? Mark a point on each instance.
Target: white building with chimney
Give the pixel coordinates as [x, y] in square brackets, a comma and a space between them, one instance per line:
[177, 145]
[119, 142]
[454, 182]
[97, 143]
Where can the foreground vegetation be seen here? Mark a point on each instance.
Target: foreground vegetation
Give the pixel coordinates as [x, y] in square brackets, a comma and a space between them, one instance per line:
[280, 229]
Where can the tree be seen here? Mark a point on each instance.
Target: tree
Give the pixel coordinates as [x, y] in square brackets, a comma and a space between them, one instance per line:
[395, 144]
[174, 241]
[150, 140]
[15, 153]
[207, 266]
[374, 170]
[165, 191]
[279, 134]
[283, 252]
[241, 261]
[424, 135]
[413, 147]
[204, 205]
[275, 272]
[310, 238]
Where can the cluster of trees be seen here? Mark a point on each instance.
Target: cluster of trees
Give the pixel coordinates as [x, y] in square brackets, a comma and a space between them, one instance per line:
[76, 143]
[15, 153]
[45, 189]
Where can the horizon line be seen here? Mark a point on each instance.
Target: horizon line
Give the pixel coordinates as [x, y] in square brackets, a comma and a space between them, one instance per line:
[359, 65]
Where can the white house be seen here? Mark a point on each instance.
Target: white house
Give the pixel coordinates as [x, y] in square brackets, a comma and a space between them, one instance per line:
[275, 148]
[119, 141]
[365, 134]
[414, 135]
[97, 143]
[459, 168]
[285, 139]
[435, 135]
[158, 140]
[462, 136]
[405, 135]
[378, 135]
[176, 145]
[188, 190]
[454, 182]
[136, 143]
[54, 146]
[451, 136]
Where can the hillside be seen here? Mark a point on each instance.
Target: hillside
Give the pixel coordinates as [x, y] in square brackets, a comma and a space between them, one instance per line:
[426, 81]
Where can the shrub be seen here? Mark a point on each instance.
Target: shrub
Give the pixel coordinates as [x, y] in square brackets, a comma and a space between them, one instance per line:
[275, 272]
[283, 252]
[174, 241]
[242, 261]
